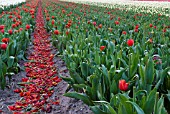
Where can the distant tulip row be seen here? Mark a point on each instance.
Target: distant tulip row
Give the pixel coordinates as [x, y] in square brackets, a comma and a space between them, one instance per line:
[16, 26]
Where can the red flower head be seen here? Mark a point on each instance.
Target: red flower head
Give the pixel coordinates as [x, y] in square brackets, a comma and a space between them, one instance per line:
[53, 17]
[135, 30]
[137, 26]
[119, 18]
[2, 31]
[67, 32]
[20, 29]
[63, 11]
[13, 25]
[10, 32]
[3, 46]
[5, 40]
[56, 32]
[94, 23]
[47, 18]
[130, 42]
[124, 32]
[116, 22]
[10, 17]
[52, 22]
[27, 27]
[164, 30]
[123, 86]
[102, 48]
[100, 26]
[2, 27]
[88, 22]
[32, 16]
[151, 40]
[151, 25]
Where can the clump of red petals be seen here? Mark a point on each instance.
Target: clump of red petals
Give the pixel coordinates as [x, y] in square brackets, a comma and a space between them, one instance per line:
[37, 87]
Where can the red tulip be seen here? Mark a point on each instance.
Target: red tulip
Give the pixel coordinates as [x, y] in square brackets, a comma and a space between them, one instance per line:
[5, 40]
[2, 31]
[119, 18]
[130, 42]
[53, 17]
[67, 32]
[151, 40]
[164, 30]
[94, 23]
[10, 17]
[10, 32]
[2, 27]
[17, 90]
[63, 11]
[100, 26]
[123, 86]
[124, 32]
[102, 48]
[13, 25]
[136, 27]
[52, 22]
[150, 25]
[27, 27]
[56, 32]
[135, 30]
[88, 22]
[3, 46]
[116, 22]
[47, 18]
[20, 29]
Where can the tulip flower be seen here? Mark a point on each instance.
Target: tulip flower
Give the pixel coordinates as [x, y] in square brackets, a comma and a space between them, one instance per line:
[56, 32]
[100, 26]
[130, 42]
[52, 22]
[27, 27]
[151, 25]
[116, 22]
[5, 40]
[94, 23]
[10, 32]
[2, 31]
[3, 46]
[124, 32]
[102, 48]
[123, 85]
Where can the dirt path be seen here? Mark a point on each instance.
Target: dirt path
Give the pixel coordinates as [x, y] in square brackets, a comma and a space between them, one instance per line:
[40, 88]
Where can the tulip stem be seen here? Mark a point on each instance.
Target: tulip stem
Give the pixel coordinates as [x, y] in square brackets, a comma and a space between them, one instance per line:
[134, 90]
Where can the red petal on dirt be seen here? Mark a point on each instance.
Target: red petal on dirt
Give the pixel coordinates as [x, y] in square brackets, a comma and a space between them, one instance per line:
[11, 107]
[56, 102]
[17, 90]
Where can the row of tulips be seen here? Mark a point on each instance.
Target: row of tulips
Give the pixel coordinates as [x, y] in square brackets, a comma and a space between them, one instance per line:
[16, 26]
[119, 60]
[7, 8]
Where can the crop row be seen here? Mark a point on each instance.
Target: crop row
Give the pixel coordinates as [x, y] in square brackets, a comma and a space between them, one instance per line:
[118, 59]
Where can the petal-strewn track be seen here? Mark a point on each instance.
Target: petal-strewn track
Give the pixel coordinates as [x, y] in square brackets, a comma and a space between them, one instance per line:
[41, 74]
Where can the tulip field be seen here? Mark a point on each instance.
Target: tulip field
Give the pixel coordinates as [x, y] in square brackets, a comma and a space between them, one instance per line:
[116, 57]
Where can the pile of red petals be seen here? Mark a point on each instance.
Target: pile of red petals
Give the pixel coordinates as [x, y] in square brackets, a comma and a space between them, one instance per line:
[37, 87]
